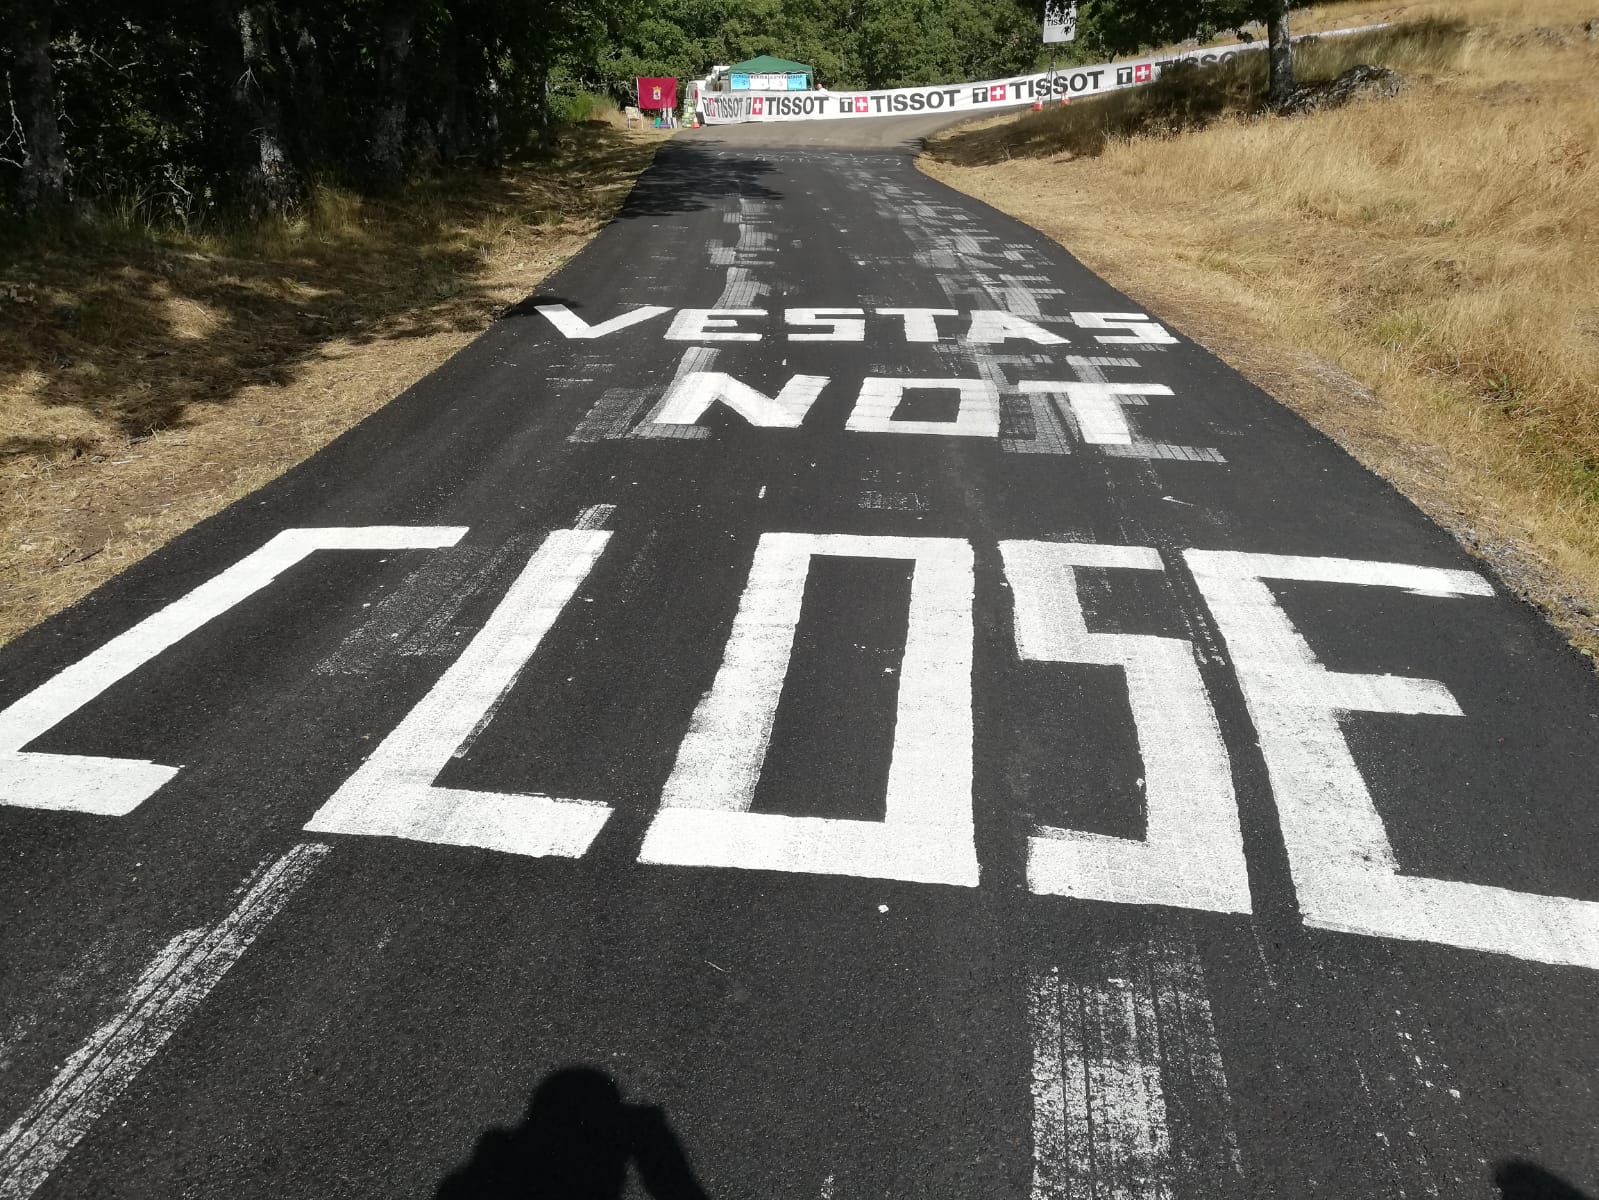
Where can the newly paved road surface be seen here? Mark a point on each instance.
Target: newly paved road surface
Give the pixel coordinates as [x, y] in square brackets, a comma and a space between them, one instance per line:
[964, 744]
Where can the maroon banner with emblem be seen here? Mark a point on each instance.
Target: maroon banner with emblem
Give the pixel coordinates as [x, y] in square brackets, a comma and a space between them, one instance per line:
[656, 93]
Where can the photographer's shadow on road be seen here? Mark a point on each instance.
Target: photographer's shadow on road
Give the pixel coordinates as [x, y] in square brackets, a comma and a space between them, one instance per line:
[575, 1143]
[1522, 1180]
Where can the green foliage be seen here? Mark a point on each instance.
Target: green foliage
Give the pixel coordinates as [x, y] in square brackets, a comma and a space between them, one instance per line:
[194, 107]
[1110, 27]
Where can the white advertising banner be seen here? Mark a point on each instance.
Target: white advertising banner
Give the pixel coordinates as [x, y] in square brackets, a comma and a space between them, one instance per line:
[722, 108]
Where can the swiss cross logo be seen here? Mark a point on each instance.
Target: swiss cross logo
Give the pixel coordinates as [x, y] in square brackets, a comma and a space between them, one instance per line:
[860, 104]
[755, 105]
[1143, 72]
[997, 92]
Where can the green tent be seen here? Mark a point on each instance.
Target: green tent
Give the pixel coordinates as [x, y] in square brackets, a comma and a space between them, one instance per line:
[767, 64]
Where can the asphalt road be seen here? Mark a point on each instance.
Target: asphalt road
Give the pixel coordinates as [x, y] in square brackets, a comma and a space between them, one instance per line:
[777, 753]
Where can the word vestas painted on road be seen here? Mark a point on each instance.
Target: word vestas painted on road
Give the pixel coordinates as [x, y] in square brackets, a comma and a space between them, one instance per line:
[1191, 855]
[1095, 406]
[983, 326]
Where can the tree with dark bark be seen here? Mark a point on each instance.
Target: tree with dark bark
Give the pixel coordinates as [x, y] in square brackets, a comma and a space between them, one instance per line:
[1127, 26]
[41, 154]
[189, 108]
[263, 180]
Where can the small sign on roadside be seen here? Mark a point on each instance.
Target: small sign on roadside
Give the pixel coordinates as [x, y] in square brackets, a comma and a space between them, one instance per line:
[1060, 21]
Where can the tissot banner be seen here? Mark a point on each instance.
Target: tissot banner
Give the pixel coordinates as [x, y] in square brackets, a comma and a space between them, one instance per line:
[723, 108]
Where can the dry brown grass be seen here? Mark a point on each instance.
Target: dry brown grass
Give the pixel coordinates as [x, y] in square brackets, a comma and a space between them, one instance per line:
[149, 378]
[1420, 276]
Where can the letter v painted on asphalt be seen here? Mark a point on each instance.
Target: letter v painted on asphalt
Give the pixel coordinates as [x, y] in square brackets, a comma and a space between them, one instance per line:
[116, 786]
[575, 327]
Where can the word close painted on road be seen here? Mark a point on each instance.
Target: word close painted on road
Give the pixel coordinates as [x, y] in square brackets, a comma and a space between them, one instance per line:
[1192, 854]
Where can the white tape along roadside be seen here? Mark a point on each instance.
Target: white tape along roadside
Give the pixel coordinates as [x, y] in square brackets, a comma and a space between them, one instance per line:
[731, 108]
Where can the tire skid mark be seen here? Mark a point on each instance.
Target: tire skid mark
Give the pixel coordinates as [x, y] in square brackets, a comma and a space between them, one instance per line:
[1130, 1096]
[168, 992]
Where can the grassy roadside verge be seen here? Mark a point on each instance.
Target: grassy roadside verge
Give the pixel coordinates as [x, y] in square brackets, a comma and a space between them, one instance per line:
[1417, 276]
[149, 377]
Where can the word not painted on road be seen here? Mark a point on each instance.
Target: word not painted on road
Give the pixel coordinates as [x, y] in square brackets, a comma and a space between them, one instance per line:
[1191, 855]
[1041, 414]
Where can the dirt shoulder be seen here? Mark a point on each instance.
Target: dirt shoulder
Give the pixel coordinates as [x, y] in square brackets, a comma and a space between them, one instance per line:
[1415, 276]
[148, 379]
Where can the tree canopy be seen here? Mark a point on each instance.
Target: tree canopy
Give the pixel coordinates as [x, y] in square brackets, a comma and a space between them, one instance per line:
[199, 105]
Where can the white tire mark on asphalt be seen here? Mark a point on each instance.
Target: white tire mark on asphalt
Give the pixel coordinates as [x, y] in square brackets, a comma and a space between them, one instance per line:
[167, 994]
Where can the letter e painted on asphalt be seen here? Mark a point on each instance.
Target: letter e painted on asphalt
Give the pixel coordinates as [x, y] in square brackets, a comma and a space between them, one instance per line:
[1343, 865]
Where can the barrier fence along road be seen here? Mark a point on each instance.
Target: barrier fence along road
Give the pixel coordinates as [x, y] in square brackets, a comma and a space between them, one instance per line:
[1066, 83]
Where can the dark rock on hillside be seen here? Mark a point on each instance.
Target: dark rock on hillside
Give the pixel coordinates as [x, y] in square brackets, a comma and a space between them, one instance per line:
[1359, 82]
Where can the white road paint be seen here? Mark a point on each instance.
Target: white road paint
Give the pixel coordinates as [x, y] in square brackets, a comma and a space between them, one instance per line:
[695, 359]
[1343, 864]
[1124, 1046]
[595, 516]
[841, 324]
[921, 324]
[927, 834]
[393, 794]
[116, 786]
[992, 326]
[573, 326]
[712, 325]
[977, 416]
[167, 994]
[1192, 855]
[1097, 406]
[692, 396]
[1138, 329]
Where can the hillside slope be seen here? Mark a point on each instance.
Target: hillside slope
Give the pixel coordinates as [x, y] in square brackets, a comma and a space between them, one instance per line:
[1418, 276]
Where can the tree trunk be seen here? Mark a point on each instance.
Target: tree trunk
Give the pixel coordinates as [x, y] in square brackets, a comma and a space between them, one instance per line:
[1280, 50]
[305, 94]
[264, 180]
[44, 156]
[453, 136]
[386, 150]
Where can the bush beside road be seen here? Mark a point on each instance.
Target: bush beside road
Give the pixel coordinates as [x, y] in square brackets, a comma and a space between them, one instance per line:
[1417, 275]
